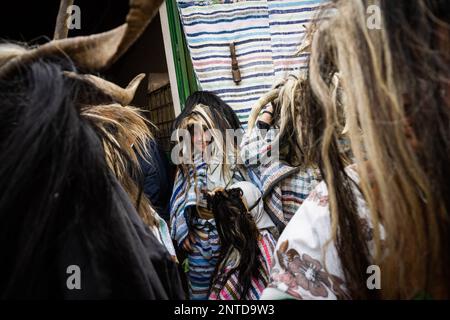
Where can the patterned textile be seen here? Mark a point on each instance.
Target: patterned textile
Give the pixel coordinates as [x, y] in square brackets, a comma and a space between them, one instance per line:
[203, 259]
[182, 198]
[185, 195]
[266, 33]
[284, 187]
[230, 291]
[303, 251]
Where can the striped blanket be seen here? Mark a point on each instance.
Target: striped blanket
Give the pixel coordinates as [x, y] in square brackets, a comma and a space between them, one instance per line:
[284, 187]
[184, 195]
[267, 34]
[202, 260]
[230, 291]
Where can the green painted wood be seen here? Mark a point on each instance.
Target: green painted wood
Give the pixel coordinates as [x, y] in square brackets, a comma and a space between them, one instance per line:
[186, 80]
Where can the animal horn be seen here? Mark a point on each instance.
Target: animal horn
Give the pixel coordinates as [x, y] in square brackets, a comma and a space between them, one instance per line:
[95, 52]
[140, 14]
[123, 96]
[61, 28]
[88, 52]
[260, 104]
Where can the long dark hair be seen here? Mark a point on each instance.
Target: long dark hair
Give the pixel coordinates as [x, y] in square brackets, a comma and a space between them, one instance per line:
[237, 232]
[59, 202]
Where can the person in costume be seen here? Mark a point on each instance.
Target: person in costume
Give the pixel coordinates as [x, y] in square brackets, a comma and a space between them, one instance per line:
[211, 163]
[68, 229]
[387, 215]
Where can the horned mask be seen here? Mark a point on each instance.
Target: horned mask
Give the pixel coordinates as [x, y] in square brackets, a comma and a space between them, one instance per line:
[93, 53]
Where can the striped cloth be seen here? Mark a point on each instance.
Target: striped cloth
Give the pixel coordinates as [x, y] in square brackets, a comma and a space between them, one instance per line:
[183, 196]
[231, 289]
[266, 33]
[287, 31]
[202, 260]
[284, 187]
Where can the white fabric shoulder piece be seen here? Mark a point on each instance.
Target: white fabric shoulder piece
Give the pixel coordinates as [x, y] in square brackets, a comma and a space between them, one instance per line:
[306, 266]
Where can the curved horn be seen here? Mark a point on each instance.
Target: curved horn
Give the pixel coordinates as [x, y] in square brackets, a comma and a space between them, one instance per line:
[123, 96]
[88, 52]
[140, 14]
[259, 105]
[94, 52]
[61, 28]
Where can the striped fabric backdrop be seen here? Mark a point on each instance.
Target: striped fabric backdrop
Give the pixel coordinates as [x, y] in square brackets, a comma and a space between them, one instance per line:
[287, 19]
[267, 34]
